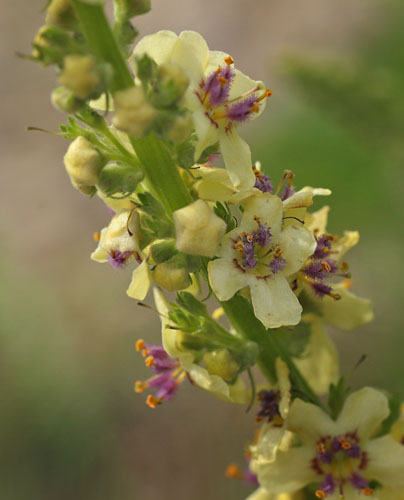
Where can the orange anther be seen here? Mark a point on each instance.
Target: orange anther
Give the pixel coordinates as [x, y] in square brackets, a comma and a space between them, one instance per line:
[255, 108]
[344, 265]
[321, 494]
[325, 266]
[149, 361]
[140, 386]
[347, 283]
[145, 352]
[320, 447]
[97, 236]
[140, 345]
[335, 296]
[345, 444]
[268, 93]
[152, 402]
[233, 472]
[229, 60]
[222, 80]
[367, 492]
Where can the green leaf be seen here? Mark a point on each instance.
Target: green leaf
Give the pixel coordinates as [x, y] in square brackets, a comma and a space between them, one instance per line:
[337, 396]
[209, 151]
[191, 304]
[119, 178]
[224, 213]
[185, 152]
[294, 339]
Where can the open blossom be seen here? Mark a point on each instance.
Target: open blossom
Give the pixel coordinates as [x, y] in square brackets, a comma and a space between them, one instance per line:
[261, 255]
[342, 458]
[219, 96]
[200, 376]
[337, 305]
[263, 494]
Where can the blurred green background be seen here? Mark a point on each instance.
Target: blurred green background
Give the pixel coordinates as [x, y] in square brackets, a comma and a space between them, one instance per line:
[71, 426]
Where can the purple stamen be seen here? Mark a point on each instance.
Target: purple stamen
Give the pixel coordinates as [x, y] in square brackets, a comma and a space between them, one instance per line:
[117, 259]
[328, 485]
[277, 264]
[269, 405]
[250, 478]
[288, 191]
[321, 289]
[241, 111]
[322, 248]
[263, 183]
[263, 235]
[358, 481]
[218, 85]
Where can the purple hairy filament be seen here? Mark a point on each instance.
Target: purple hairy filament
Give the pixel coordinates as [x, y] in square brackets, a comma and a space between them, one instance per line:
[168, 374]
[269, 410]
[262, 182]
[256, 254]
[117, 259]
[340, 461]
[214, 95]
[320, 267]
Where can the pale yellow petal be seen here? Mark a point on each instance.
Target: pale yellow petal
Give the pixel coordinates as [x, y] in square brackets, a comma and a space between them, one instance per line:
[100, 254]
[141, 281]
[269, 210]
[158, 46]
[237, 158]
[274, 302]
[309, 421]
[386, 461]
[363, 411]
[225, 279]
[297, 244]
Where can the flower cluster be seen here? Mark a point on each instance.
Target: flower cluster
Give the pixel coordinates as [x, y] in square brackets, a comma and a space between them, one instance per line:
[191, 213]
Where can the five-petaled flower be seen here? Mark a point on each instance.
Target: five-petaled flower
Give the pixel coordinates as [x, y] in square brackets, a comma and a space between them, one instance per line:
[342, 457]
[219, 96]
[262, 255]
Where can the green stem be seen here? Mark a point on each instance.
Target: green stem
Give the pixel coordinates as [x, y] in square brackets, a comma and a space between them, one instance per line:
[242, 317]
[160, 169]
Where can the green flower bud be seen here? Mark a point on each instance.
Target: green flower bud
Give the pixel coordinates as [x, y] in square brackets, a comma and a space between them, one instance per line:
[65, 100]
[133, 112]
[83, 163]
[172, 74]
[61, 13]
[180, 129]
[171, 277]
[163, 250]
[80, 75]
[221, 363]
[119, 178]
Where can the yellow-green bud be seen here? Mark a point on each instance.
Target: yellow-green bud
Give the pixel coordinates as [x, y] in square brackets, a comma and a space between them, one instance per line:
[82, 163]
[221, 363]
[198, 229]
[181, 128]
[65, 100]
[133, 112]
[60, 13]
[40, 40]
[171, 72]
[80, 75]
[171, 277]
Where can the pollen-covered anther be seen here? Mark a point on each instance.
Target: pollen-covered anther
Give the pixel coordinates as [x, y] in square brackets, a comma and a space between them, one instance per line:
[149, 361]
[321, 448]
[152, 401]
[229, 60]
[321, 494]
[140, 387]
[335, 296]
[344, 266]
[325, 266]
[368, 492]
[346, 445]
[140, 345]
[222, 80]
[233, 472]
[97, 236]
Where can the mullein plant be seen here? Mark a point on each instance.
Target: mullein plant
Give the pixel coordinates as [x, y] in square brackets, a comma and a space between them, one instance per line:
[154, 133]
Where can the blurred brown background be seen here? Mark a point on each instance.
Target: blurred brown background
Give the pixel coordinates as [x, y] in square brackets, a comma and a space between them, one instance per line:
[71, 426]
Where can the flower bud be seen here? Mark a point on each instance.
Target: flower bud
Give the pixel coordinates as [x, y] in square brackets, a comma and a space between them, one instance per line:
[119, 178]
[221, 363]
[181, 128]
[172, 74]
[65, 100]
[125, 9]
[171, 277]
[163, 250]
[198, 229]
[133, 113]
[122, 233]
[60, 13]
[80, 75]
[82, 163]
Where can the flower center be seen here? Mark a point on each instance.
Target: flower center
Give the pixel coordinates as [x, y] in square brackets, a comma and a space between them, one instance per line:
[256, 254]
[340, 461]
[214, 95]
[269, 408]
